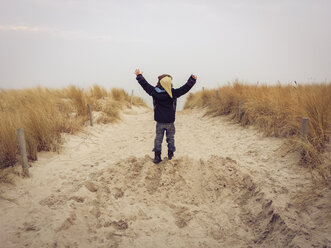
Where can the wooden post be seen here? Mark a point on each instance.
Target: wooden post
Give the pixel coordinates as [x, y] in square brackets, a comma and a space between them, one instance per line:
[22, 147]
[90, 112]
[240, 109]
[304, 128]
[304, 131]
[217, 94]
[131, 99]
[203, 89]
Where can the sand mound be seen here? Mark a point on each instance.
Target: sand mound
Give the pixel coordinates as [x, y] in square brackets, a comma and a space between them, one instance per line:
[183, 202]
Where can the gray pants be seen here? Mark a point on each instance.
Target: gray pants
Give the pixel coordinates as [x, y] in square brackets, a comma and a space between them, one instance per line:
[170, 130]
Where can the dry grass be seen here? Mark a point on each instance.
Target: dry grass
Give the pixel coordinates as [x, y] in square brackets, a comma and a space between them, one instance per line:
[44, 114]
[277, 111]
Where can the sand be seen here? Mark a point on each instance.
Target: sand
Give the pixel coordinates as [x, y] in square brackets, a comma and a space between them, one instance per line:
[227, 186]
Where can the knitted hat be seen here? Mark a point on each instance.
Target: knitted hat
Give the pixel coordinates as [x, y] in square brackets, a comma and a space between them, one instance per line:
[164, 75]
[166, 84]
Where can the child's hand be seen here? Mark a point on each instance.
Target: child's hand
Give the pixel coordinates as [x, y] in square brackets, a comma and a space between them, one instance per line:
[137, 72]
[194, 76]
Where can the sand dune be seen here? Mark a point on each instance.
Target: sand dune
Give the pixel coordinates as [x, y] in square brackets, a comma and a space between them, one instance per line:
[227, 186]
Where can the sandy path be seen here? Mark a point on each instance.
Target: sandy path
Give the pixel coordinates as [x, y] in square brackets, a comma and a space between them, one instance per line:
[227, 186]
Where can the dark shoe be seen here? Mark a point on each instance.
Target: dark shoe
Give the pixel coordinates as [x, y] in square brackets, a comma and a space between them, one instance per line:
[157, 158]
[170, 154]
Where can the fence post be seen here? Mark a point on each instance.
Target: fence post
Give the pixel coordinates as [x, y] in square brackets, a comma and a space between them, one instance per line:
[240, 109]
[203, 89]
[304, 128]
[90, 112]
[131, 99]
[22, 147]
[217, 94]
[304, 131]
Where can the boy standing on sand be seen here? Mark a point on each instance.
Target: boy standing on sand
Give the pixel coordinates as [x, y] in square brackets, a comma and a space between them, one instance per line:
[164, 101]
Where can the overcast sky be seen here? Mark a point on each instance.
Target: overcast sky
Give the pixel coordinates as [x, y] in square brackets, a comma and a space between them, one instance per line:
[61, 42]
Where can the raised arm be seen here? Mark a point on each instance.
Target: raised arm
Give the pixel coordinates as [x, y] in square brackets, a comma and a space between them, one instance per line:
[142, 81]
[185, 88]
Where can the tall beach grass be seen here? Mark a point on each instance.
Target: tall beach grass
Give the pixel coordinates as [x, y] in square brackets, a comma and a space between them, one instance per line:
[45, 114]
[275, 110]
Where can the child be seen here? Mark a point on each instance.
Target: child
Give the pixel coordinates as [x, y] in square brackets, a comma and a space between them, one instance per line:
[164, 101]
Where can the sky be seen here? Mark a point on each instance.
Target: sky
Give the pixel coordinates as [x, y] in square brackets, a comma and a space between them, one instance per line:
[56, 43]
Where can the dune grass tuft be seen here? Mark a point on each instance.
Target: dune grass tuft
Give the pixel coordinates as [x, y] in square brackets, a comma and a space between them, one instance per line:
[276, 111]
[45, 114]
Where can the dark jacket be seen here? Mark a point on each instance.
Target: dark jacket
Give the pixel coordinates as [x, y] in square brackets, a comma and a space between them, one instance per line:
[164, 105]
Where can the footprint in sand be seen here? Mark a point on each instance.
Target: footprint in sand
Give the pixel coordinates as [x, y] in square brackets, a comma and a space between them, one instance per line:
[29, 227]
[120, 225]
[217, 232]
[152, 179]
[68, 222]
[91, 186]
[118, 193]
[53, 201]
[182, 216]
[78, 199]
